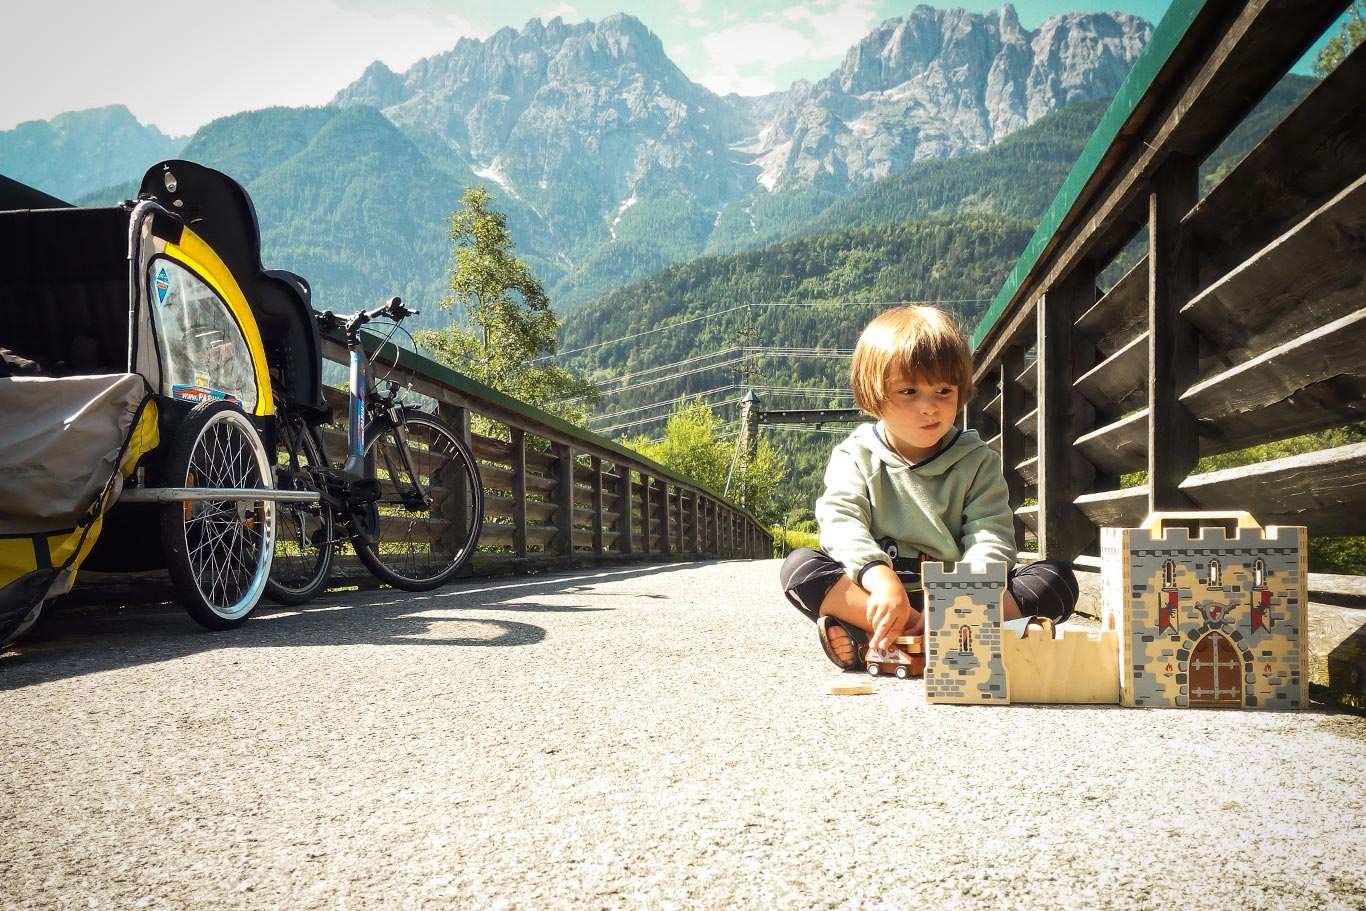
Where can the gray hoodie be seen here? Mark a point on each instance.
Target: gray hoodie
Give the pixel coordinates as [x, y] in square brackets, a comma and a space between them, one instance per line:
[952, 506]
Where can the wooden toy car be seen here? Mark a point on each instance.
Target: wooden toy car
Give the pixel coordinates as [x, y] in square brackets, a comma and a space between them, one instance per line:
[904, 659]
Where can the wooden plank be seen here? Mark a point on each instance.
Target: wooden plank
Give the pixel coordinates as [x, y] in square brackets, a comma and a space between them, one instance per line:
[1315, 407]
[1337, 653]
[1317, 149]
[1325, 491]
[1028, 424]
[1115, 508]
[1121, 315]
[1029, 471]
[1309, 276]
[983, 417]
[1029, 517]
[1335, 351]
[1119, 383]
[505, 508]
[1028, 377]
[1078, 667]
[1120, 447]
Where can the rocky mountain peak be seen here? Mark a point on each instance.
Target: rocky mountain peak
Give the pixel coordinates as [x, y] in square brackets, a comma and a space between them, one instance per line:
[939, 82]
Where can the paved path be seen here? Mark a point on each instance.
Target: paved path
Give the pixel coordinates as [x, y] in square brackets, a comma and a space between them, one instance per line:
[656, 737]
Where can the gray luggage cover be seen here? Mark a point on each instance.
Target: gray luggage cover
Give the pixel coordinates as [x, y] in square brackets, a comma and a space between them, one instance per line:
[60, 442]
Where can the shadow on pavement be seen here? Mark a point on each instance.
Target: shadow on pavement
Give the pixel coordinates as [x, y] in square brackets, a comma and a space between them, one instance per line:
[86, 639]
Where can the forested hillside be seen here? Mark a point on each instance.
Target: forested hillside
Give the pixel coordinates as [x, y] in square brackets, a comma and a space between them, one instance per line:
[785, 316]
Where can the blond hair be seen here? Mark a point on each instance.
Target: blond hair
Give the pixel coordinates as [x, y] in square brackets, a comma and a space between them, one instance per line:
[925, 342]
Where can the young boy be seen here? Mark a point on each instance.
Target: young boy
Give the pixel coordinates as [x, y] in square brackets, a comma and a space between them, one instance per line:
[912, 486]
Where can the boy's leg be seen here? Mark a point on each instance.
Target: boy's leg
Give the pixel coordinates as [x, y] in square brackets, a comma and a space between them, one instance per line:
[809, 579]
[1046, 588]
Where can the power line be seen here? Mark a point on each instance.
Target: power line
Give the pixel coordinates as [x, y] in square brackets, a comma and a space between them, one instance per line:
[706, 316]
[748, 354]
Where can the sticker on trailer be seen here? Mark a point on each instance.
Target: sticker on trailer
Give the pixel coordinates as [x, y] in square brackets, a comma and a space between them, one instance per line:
[199, 394]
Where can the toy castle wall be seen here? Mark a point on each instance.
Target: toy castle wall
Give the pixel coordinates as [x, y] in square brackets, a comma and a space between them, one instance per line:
[1155, 652]
[957, 599]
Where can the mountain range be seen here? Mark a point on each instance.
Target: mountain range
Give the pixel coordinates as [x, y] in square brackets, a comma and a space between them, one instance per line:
[609, 161]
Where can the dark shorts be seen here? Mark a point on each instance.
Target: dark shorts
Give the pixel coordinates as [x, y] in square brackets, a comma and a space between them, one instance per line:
[1047, 588]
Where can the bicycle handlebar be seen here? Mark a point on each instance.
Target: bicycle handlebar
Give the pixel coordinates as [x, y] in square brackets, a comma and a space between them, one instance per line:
[393, 308]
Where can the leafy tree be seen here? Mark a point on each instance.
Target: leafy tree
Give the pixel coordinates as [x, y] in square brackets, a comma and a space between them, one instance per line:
[692, 446]
[1349, 36]
[508, 322]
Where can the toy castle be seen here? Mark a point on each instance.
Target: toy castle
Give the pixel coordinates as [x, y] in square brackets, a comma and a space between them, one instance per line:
[1204, 619]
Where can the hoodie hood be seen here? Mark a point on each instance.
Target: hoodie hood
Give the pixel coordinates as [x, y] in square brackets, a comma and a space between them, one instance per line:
[961, 444]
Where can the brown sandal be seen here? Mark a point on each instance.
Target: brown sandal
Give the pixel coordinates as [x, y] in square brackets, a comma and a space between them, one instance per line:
[855, 660]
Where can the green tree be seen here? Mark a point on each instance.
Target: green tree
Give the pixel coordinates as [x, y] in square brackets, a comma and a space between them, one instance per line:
[693, 447]
[507, 321]
[1349, 37]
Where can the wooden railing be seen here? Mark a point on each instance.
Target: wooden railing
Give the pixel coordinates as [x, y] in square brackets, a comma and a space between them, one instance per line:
[1245, 322]
[556, 495]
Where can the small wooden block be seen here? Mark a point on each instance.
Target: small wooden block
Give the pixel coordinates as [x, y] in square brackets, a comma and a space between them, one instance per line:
[851, 689]
[915, 645]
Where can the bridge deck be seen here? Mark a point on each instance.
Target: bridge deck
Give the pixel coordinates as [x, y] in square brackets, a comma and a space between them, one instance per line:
[647, 736]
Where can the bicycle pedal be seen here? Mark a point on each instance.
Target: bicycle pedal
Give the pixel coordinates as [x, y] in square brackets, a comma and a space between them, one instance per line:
[363, 491]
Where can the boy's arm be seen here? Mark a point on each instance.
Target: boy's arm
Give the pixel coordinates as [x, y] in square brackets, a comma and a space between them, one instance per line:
[845, 516]
[988, 521]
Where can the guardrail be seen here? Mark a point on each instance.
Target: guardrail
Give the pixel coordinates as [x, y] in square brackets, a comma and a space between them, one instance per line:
[1245, 322]
[556, 495]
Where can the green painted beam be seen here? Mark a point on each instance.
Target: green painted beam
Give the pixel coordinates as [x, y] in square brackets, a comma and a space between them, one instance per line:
[1166, 37]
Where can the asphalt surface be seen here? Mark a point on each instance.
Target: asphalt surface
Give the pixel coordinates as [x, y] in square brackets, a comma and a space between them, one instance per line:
[655, 737]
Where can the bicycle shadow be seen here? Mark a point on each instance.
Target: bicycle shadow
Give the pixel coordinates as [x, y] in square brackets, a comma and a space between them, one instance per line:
[89, 639]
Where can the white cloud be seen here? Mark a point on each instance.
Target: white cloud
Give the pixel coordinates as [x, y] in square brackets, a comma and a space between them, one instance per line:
[566, 11]
[209, 60]
[746, 57]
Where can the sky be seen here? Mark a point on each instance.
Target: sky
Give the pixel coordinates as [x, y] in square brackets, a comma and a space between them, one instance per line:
[181, 65]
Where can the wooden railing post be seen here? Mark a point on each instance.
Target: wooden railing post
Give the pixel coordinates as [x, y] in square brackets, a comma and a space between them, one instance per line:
[682, 527]
[518, 440]
[696, 531]
[1012, 438]
[1064, 530]
[596, 462]
[564, 498]
[646, 514]
[1173, 344]
[665, 537]
[626, 507]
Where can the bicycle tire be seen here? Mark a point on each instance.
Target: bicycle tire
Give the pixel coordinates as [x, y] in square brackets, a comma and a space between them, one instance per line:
[414, 547]
[304, 532]
[218, 552]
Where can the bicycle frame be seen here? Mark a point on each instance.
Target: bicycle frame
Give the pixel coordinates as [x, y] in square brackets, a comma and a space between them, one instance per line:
[364, 404]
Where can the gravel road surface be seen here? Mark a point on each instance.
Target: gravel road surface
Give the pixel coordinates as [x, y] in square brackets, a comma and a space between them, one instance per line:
[655, 737]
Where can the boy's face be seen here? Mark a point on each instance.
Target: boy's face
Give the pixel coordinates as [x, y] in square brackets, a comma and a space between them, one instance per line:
[917, 414]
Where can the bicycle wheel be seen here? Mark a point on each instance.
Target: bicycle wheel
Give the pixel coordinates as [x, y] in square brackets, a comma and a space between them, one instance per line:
[303, 531]
[407, 543]
[218, 552]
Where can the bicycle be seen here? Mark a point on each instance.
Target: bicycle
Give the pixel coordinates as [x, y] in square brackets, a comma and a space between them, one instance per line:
[408, 493]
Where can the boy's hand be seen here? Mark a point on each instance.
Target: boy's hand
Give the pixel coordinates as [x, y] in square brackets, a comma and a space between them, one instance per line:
[889, 608]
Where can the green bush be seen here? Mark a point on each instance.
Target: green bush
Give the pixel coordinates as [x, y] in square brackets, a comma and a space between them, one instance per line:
[794, 540]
